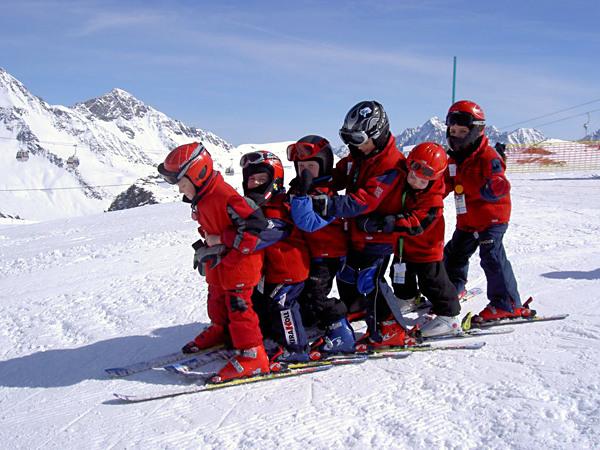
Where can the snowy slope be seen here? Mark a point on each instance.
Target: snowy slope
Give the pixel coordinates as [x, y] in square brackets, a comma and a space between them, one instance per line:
[86, 293]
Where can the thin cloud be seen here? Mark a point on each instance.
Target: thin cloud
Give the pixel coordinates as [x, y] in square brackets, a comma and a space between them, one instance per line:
[105, 21]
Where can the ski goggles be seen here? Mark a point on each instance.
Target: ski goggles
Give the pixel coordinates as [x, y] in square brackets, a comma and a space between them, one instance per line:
[174, 177]
[304, 150]
[355, 138]
[422, 170]
[462, 119]
[256, 158]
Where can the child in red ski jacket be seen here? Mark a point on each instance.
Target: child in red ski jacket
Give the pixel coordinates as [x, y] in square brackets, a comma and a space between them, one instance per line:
[230, 226]
[419, 229]
[326, 239]
[482, 197]
[286, 259]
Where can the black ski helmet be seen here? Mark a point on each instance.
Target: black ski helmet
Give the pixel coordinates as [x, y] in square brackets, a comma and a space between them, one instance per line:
[367, 119]
[323, 155]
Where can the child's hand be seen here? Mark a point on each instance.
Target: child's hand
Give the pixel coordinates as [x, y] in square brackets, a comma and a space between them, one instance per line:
[213, 239]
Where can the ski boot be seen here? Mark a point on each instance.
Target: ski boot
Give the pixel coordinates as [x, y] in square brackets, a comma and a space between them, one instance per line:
[283, 356]
[246, 363]
[339, 338]
[491, 313]
[440, 326]
[212, 336]
[391, 333]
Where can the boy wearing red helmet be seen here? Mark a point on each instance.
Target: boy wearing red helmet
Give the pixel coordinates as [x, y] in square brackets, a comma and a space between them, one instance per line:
[286, 259]
[230, 226]
[419, 228]
[482, 197]
[326, 240]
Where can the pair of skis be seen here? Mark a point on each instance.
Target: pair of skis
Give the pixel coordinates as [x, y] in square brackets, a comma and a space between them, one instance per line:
[202, 383]
[185, 365]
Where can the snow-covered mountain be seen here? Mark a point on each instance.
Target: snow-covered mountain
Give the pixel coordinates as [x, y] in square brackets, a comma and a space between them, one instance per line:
[434, 130]
[117, 138]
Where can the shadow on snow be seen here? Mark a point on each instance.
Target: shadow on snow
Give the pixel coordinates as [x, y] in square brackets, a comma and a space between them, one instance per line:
[574, 274]
[54, 368]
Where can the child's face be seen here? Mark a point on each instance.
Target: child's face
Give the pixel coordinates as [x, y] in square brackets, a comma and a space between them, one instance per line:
[367, 147]
[459, 131]
[257, 179]
[187, 188]
[415, 181]
[311, 166]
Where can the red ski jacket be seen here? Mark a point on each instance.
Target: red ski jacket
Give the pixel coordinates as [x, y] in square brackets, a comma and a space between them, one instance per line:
[421, 223]
[286, 261]
[369, 182]
[222, 211]
[480, 179]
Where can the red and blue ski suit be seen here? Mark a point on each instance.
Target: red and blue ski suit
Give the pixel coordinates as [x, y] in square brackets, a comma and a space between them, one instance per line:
[369, 181]
[327, 242]
[286, 267]
[482, 195]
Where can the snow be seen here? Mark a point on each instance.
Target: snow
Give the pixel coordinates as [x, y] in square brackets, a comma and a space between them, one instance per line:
[81, 294]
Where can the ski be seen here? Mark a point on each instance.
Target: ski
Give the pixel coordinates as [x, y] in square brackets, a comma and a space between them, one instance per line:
[467, 334]
[471, 293]
[469, 326]
[334, 360]
[393, 351]
[195, 388]
[162, 360]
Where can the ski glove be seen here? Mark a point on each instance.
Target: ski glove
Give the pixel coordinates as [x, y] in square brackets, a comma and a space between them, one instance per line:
[321, 204]
[305, 182]
[374, 223]
[209, 255]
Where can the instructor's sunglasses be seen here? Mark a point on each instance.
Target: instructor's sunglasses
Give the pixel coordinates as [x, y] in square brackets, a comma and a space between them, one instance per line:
[355, 138]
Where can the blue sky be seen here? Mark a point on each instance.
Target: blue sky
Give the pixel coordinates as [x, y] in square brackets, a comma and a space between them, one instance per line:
[266, 71]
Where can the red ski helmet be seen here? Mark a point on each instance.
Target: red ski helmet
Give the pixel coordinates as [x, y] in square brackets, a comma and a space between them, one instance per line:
[428, 160]
[190, 160]
[262, 161]
[467, 114]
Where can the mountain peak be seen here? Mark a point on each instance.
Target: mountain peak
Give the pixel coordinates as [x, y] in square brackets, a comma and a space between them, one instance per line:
[434, 130]
[115, 104]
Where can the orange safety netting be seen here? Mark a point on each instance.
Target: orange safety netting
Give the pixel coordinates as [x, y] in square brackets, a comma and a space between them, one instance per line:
[552, 156]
